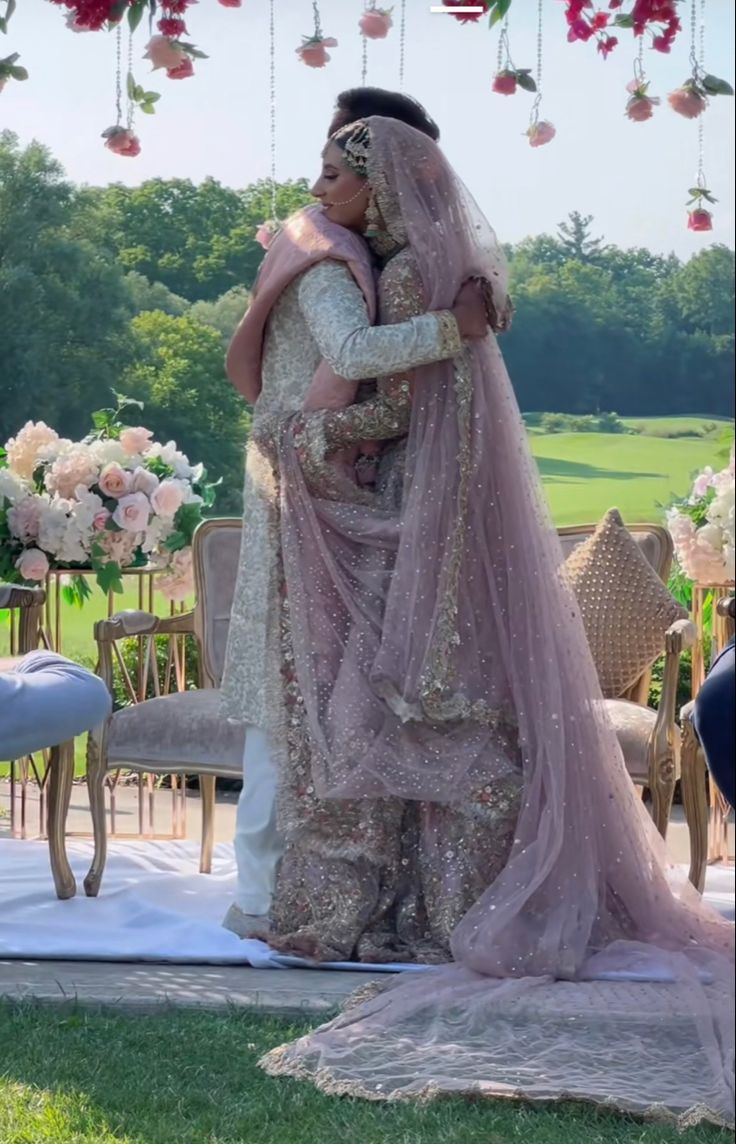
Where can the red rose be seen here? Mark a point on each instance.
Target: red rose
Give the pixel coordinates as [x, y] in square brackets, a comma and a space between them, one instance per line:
[700, 220]
[504, 83]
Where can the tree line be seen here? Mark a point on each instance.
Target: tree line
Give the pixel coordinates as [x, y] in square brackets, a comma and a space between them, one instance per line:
[138, 289]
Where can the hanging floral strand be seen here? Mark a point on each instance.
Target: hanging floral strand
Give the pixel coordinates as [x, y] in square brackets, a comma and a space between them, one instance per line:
[539, 131]
[121, 138]
[313, 51]
[691, 99]
[508, 77]
[699, 218]
[268, 230]
[640, 105]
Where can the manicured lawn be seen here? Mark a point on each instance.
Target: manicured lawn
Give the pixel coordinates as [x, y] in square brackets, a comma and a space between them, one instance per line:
[71, 1076]
[584, 474]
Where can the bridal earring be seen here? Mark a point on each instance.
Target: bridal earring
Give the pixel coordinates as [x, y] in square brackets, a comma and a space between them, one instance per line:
[372, 219]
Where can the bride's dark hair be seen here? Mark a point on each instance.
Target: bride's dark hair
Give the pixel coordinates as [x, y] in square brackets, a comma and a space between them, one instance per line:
[363, 102]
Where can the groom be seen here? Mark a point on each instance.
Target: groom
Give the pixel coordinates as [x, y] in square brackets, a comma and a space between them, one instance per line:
[258, 845]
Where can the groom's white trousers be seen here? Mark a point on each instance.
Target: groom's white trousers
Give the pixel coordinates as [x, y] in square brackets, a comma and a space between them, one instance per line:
[258, 845]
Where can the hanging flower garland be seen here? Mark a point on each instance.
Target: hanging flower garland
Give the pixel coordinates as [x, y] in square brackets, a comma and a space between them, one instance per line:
[121, 139]
[691, 101]
[640, 105]
[508, 77]
[313, 50]
[540, 131]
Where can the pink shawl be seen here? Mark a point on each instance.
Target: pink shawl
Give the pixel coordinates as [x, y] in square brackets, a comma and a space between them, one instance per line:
[306, 238]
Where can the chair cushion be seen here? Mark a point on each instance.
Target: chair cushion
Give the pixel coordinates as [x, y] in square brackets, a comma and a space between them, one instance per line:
[181, 732]
[625, 606]
[633, 725]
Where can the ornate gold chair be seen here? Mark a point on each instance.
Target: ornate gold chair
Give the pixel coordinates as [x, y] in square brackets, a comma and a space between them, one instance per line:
[631, 620]
[694, 781]
[60, 766]
[182, 733]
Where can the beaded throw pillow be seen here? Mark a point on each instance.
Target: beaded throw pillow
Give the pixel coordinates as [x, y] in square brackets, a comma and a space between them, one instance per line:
[626, 609]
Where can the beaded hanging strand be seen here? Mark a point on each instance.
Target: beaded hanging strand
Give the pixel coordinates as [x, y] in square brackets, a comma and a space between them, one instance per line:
[118, 76]
[268, 230]
[402, 45]
[539, 131]
[120, 138]
[130, 115]
[699, 217]
[272, 102]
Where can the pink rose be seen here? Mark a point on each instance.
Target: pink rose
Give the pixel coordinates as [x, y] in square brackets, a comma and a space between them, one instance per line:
[314, 52]
[32, 564]
[132, 512]
[115, 481]
[183, 70]
[135, 440]
[167, 498]
[700, 220]
[143, 481]
[639, 108]
[540, 133]
[164, 53]
[230, 3]
[122, 142]
[687, 101]
[266, 233]
[504, 83]
[376, 23]
[100, 519]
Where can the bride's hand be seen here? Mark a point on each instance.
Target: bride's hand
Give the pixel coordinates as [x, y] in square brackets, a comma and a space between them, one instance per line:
[470, 310]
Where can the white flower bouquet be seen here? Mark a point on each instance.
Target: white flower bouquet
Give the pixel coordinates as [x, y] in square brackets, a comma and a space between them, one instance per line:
[116, 500]
[702, 528]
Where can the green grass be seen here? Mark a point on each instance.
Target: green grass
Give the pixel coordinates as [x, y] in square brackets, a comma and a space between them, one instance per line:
[73, 1076]
[584, 474]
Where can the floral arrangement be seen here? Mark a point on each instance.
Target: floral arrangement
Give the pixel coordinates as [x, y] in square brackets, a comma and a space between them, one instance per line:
[116, 500]
[702, 527]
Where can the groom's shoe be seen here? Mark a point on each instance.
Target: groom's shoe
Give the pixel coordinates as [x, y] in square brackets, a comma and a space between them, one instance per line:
[246, 925]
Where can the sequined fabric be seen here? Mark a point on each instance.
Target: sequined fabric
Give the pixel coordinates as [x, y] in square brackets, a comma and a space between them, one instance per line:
[321, 315]
[378, 880]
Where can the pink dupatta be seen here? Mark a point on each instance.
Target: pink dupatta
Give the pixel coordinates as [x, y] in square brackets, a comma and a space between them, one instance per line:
[307, 238]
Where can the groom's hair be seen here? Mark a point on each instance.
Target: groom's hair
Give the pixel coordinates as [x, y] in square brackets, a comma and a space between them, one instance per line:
[362, 102]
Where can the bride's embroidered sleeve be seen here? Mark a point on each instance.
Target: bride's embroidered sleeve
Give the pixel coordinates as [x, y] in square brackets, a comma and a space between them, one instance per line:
[386, 415]
[336, 313]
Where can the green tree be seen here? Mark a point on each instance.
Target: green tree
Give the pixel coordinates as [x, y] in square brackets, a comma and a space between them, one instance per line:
[224, 314]
[178, 374]
[147, 295]
[576, 239]
[64, 308]
[198, 240]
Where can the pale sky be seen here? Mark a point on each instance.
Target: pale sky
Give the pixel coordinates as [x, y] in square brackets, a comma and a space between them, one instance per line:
[632, 177]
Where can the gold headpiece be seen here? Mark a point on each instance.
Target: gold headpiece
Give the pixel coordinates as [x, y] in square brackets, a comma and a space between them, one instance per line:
[356, 146]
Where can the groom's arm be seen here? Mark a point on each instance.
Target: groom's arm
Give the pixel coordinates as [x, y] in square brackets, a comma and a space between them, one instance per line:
[387, 414]
[337, 316]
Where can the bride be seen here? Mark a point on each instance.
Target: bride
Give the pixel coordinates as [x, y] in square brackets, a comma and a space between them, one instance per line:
[450, 768]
